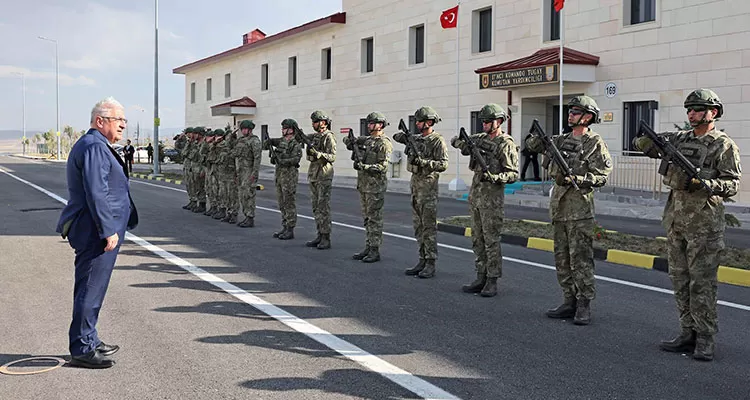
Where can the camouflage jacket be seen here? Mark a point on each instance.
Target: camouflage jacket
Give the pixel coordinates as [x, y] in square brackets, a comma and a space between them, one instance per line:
[247, 155]
[434, 152]
[501, 155]
[226, 157]
[372, 176]
[321, 168]
[718, 158]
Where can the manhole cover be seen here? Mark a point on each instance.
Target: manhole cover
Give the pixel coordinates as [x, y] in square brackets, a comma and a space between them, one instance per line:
[32, 365]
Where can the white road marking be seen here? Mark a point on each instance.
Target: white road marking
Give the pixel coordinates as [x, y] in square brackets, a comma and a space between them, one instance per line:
[416, 385]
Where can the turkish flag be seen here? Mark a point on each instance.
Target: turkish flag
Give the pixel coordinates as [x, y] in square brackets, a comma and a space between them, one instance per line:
[559, 5]
[449, 18]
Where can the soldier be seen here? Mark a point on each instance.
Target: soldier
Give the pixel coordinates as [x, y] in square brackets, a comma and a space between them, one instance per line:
[487, 196]
[571, 210]
[228, 177]
[197, 170]
[247, 154]
[285, 153]
[321, 155]
[183, 143]
[372, 181]
[694, 219]
[425, 173]
[219, 200]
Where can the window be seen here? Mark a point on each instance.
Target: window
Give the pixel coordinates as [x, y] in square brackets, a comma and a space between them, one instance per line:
[639, 11]
[263, 131]
[208, 89]
[192, 93]
[476, 123]
[227, 85]
[481, 30]
[363, 127]
[552, 24]
[292, 71]
[325, 64]
[634, 112]
[416, 44]
[264, 77]
[367, 55]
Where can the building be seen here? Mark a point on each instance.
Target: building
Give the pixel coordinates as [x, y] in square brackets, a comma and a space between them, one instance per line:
[637, 58]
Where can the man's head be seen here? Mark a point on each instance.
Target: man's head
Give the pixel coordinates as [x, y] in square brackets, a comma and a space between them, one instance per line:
[246, 126]
[108, 117]
[376, 122]
[583, 111]
[426, 117]
[288, 126]
[320, 121]
[492, 116]
[128, 141]
[703, 107]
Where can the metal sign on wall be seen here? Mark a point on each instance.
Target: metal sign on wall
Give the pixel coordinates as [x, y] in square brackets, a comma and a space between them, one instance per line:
[519, 77]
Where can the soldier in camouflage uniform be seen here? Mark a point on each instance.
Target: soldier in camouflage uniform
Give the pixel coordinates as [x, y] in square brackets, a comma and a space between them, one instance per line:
[229, 181]
[197, 170]
[694, 219]
[285, 153]
[572, 211]
[218, 202]
[487, 196]
[247, 155]
[372, 181]
[321, 156]
[425, 173]
[183, 143]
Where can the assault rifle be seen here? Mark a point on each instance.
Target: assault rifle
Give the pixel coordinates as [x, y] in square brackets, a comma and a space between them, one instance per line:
[670, 155]
[557, 157]
[265, 138]
[474, 151]
[356, 154]
[411, 145]
[300, 136]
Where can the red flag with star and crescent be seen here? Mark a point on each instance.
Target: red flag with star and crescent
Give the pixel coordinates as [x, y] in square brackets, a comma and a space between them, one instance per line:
[449, 18]
[559, 5]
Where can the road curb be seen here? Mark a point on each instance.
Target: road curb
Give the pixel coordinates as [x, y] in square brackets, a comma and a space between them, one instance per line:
[175, 181]
[729, 275]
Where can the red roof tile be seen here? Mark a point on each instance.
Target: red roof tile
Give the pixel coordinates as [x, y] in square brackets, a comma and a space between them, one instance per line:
[544, 57]
[243, 102]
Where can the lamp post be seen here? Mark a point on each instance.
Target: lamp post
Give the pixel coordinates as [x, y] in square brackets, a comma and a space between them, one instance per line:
[157, 169]
[57, 92]
[23, 80]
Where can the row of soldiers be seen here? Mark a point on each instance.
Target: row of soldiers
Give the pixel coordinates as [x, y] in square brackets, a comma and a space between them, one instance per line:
[693, 217]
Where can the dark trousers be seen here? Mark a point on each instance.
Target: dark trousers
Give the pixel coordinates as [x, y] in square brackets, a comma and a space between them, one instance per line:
[129, 164]
[535, 166]
[93, 270]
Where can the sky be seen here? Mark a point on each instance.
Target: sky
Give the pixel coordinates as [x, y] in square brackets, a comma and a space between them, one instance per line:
[106, 48]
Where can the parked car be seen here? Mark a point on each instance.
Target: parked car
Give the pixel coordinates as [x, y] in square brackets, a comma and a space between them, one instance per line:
[120, 149]
[172, 155]
[141, 154]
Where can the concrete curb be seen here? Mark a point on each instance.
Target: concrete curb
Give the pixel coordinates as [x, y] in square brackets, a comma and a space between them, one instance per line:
[732, 276]
[175, 181]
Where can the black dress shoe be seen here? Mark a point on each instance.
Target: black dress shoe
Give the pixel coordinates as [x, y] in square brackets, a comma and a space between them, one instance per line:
[92, 359]
[107, 349]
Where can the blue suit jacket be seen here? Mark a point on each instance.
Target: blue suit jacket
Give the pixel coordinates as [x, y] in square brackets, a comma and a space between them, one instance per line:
[99, 203]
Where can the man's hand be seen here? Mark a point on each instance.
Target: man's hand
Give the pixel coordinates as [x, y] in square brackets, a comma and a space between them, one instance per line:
[111, 242]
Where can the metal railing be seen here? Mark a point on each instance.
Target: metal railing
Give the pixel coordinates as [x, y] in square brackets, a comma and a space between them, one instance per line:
[631, 170]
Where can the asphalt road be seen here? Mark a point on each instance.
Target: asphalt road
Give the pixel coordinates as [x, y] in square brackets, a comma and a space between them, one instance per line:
[191, 332]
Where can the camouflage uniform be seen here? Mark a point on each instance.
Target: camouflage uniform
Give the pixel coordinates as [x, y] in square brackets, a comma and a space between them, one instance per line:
[372, 182]
[214, 179]
[320, 175]
[425, 173]
[247, 153]
[695, 222]
[487, 198]
[197, 170]
[228, 178]
[572, 211]
[285, 153]
[183, 144]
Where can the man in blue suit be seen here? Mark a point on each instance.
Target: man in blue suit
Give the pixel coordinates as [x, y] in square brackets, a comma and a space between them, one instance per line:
[98, 213]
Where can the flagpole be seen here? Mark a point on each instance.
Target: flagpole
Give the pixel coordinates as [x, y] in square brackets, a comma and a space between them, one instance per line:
[457, 184]
[560, 72]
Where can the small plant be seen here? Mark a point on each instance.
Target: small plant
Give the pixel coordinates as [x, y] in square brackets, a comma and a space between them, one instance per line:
[599, 232]
[731, 220]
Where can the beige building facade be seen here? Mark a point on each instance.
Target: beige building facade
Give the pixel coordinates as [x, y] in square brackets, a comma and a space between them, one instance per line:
[637, 58]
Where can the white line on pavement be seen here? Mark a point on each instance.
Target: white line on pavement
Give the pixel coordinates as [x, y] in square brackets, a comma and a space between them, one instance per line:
[397, 375]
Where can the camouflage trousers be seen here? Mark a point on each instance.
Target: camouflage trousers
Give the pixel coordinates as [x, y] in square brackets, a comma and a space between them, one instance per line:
[187, 177]
[693, 267]
[286, 195]
[228, 191]
[372, 213]
[212, 187]
[574, 257]
[424, 219]
[246, 194]
[486, 228]
[198, 176]
[321, 205]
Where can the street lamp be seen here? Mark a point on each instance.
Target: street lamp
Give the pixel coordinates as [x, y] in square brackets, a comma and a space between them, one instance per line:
[157, 169]
[57, 92]
[23, 80]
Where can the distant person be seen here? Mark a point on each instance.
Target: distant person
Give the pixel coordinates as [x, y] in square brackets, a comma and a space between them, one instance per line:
[98, 213]
[529, 157]
[129, 152]
[150, 152]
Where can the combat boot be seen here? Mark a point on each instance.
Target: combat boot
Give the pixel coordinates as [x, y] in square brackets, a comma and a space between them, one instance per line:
[233, 218]
[189, 205]
[210, 211]
[287, 234]
[314, 242]
[565, 310]
[277, 234]
[227, 216]
[220, 213]
[362, 254]
[428, 271]
[704, 348]
[684, 343]
[200, 207]
[583, 312]
[416, 269]
[477, 285]
[490, 288]
[248, 222]
[325, 241]
[372, 256]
